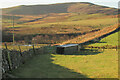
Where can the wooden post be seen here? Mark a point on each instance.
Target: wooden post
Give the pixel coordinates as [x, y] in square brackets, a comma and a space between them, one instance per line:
[8, 57]
[33, 49]
[91, 48]
[13, 32]
[116, 48]
[20, 50]
[103, 48]
[6, 46]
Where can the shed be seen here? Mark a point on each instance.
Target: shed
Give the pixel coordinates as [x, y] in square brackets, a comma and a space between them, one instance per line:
[67, 48]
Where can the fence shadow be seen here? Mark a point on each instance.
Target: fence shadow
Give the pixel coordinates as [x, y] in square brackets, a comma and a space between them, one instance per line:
[42, 66]
[87, 52]
[92, 42]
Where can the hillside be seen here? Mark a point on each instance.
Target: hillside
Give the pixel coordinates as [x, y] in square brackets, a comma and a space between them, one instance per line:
[90, 36]
[55, 23]
[77, 7]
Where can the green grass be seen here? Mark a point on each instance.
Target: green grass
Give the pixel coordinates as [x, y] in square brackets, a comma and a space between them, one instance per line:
[100, 65]
[109, 40]
[94, 64]
[41, 66]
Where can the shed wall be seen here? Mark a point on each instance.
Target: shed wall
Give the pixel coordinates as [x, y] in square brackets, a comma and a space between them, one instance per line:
[60, 50]
[70, 50]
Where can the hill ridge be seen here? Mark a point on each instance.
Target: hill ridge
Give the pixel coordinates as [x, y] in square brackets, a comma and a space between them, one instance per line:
[72, 7]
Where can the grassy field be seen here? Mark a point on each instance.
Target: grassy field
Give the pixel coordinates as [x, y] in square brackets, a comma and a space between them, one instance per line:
[85, 64]
[109, 40]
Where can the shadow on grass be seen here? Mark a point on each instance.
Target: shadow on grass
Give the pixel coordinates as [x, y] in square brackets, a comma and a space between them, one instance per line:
[87, 52]
[92, 42]
[41, 66]
[101, 42]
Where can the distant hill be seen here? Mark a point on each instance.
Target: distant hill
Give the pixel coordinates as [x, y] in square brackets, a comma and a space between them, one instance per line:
[74, 7]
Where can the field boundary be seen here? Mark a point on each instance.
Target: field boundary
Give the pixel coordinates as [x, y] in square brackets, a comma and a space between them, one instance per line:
[102, 47]
[12, 59]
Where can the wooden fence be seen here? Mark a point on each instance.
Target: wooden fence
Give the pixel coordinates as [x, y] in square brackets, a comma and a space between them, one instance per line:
[12, 59]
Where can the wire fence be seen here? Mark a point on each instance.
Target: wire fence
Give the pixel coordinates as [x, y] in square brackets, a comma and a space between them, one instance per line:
[102, 47]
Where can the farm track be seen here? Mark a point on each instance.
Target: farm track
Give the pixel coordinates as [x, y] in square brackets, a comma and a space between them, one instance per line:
[90, 36]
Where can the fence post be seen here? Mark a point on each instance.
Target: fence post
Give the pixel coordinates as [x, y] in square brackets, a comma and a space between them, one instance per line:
[33, 49]
[8, 57]
[20, 50]
[91, 48]
[116, 48]
[103, 48]
[6, 46]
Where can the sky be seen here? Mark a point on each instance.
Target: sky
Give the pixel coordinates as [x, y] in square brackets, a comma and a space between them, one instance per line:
[12, 3]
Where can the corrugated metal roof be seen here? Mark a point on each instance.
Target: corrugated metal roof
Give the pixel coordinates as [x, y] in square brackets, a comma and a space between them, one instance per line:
[67, 45]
